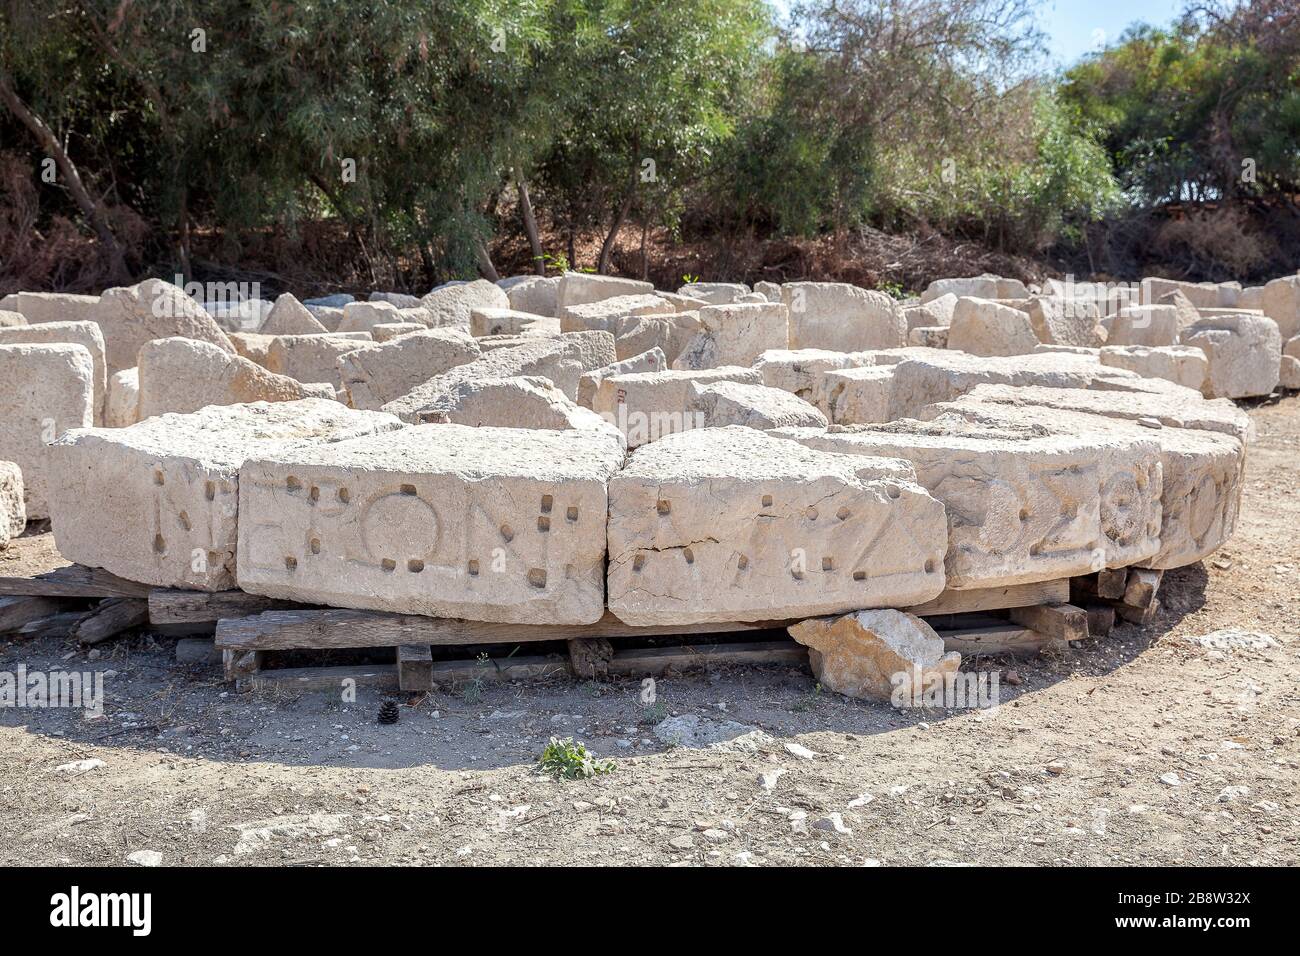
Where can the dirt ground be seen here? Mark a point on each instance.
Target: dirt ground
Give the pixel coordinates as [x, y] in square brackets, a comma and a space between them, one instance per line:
[1145, 747]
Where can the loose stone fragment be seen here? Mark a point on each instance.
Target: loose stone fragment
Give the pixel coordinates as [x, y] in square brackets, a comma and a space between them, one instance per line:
[646, 406]
[13, 513]
[376, 375]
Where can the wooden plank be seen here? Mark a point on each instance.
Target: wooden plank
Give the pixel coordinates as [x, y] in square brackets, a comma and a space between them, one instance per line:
[74, 580]
[1101, 619]
[56, 625]
[590, 656]
[111, 618]
[1140, 590]
[415, 668]
[337, 628]
[16, 612]
[304, 679]
[656, 660]
[1138, 615]
[1064, 622]
[1111, 583]
[173, 606]
[1007, 639]
[990, 599]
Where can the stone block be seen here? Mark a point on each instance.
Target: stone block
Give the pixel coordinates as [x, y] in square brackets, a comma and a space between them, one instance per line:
[13, 512]
[579, 288]
[184, 375]
[735, 335]
[452, 304]
[86, 334]
[510, 322]
[646, 406]
[980, 327]
[1183, 364]
[153, 309]
[652, 360]
[841, 317]
[753, 406]
[372, 376]
[122, 406]
[1244, 353]
[534, 294]
[314, 358]
[290, 317]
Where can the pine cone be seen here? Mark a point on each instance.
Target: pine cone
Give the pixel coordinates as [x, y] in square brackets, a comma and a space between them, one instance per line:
[389, 713]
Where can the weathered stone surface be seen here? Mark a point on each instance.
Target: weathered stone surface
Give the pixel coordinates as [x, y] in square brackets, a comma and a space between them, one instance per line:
[646, 406]
[1181, 409]
[290, 317]
[670, 333]
[327, 316]
[841, 317]
[1280, 300]
[1200, 294]
[519, 402]
[534, 294]
[715, 293]
[13, 513]
[980, 327]
[85, 334]
[510, 322]
[11, 320]
[1244, 351]
[797, 370]
[253, 346]
[375, 375]
[577, 288]
[868, 654]
[1201, 471]
[153, 309]
[488, 524]
[122, 406]
[38, 307]
[735, 335]
[157, 502]
[184, 375]
[336, 301]
[936, 312]
[979, 287]
[1151, 325]
[928, 337]
[364, 316]
[612, 314]
[452, 304]
[387, 331]
[562, 359]
[236, 314]
[769, 290]
[1182, 364]
[1025, 501]
[314, 358]
[1060, 321]
[652, 360]
[1289, 373]
[754, 406]
[731, 524]
[399, 299]
[48, 389]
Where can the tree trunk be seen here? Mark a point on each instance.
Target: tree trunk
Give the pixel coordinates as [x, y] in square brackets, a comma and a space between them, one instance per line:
[607, 247]
[530, 226]
[90, 208]
[485, 265]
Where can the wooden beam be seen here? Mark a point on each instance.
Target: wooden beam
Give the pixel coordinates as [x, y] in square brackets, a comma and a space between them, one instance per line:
[656, 660]
[15, 612]
[304, 679]
[991, 599]
[74, 580]
[172, 606]
[1140, 590]
[1101, 619]
[335, 628]
[1006, 639]
[1111, 583]
[1065, 622]
[415, 668]
[110, 619]
[241, 665]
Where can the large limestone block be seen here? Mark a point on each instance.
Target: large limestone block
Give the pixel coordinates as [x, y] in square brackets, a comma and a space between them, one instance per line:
[731, 524]
[979, 287]
[387, 331]
[736, 335]
[1061, 321]
[326, 315]
[1153, 326]
[400, 299]
[236, 314]
[1289, 373]
[872, 654]
[290, 317]
[510, 322]
[376, 375]
[1181, 409]
[1201, 471]
[519, 402]
[47, 390]
[651, 360]
[86, 334]
[980, 327]
[754, 406]
[534, 294]
[13, 513]
[936, 312]
[184, 375]
[39, 307]
[158, 502]
[1024, 502]
[612, 314]
[153, 309]
[769, 290]
[842, 317]
[487, 524]
[670, 333]
[314, 358]
[1292, 347]
[1182, 364]
[715, 293]
[646, 406]
[563, 359]
[1244, 351]
[1280, 300]
[797, 370]
[928, 336]
[577, 288]
[1200, 294]
[122, 406]
[253, 346]
[452, 304]
[364, 316]
[11, 320]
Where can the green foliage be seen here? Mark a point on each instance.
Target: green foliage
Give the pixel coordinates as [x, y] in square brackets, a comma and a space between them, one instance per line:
[571, 761]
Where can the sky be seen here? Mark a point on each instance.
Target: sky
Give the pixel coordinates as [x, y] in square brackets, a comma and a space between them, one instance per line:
[1075, 27]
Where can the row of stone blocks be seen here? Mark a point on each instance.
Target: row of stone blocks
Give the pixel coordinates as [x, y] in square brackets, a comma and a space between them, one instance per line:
[315, 502]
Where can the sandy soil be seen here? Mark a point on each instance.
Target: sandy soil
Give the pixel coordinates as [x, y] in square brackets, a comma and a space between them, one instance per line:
[1141, 748]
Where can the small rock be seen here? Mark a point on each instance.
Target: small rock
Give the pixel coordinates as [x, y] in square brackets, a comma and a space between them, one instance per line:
[146, 858]
[800, 751]
[833, 822]
[1056, 768]
[1012, 677]
[80, 766]
[768, 778]
[1228, 794]
[860, 801]
[1170, 779]
[683, 842]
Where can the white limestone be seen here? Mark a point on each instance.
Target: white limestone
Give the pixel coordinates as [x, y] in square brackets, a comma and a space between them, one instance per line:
[1244, 352]
[754, 406]
[85, 334]
[13, 513]
[372, 376]
[646, 406]
[981, 327]
[510, 322]
[652, 360]
[153, 309]
[534, 294]
[39, 307]
[842, 317]
[290, 317]
[715, 293]
[314, 358]
[1183, 364]
[735, 335]
[122, 406]
[578, 288]
[452, 304]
